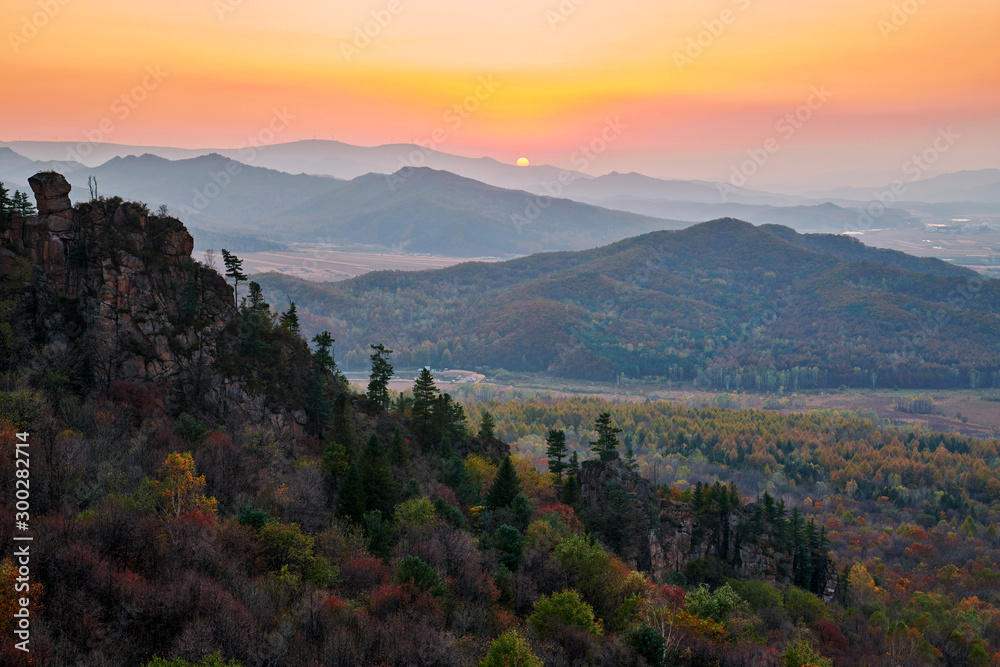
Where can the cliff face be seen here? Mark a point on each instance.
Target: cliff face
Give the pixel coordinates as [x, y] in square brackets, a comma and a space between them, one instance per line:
[118, 286]
[662, 536]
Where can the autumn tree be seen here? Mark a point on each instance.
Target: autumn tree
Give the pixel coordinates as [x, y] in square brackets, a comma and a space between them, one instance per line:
[510, 649]
[179, 490]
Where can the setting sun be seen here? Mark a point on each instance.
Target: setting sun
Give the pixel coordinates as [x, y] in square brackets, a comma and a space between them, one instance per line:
[522, 162]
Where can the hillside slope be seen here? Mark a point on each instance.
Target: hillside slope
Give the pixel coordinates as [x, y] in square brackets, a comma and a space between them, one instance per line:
[722, 302]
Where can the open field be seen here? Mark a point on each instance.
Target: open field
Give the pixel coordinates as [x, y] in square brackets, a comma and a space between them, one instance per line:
[322, 262]
[978, 250]
[966, 411]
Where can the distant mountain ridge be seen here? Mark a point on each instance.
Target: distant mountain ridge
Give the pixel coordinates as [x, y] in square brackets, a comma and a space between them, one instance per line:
[722, 302]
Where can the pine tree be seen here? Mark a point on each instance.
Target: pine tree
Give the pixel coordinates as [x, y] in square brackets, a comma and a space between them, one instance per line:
[351, 501]
[234, 270]
[607, 436]
[573, 469]
[381, 373]
[487, 427]
[376, 477]
[571, 492]
[257, 297]
[289, 319]
[505, 487]
[342, 425]
[322, 356]
[399, 451]
[6, 203]
[424, 397]
[22, 205]
[556, 451]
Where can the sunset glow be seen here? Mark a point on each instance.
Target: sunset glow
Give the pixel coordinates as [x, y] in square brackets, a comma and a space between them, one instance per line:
[697, 85]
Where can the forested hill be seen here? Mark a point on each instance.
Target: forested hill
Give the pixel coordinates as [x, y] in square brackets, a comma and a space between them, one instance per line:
[724, 303]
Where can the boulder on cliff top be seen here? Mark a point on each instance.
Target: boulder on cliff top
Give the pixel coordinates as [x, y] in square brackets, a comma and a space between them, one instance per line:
[51, 192]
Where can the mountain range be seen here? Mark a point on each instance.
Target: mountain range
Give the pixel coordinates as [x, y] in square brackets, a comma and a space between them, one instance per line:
[722, 302]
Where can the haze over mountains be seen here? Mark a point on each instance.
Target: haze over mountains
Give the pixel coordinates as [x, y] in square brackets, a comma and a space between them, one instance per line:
[454, 205]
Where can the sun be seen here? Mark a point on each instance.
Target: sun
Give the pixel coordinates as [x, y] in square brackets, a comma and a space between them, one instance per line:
[522, 162]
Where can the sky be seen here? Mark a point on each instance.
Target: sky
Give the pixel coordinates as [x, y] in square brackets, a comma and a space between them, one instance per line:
[851, 89]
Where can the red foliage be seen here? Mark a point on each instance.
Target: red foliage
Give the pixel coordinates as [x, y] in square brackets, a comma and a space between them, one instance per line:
[563, 513]
[361, 574]
[831, 636]
[392, 599]
[145, 398]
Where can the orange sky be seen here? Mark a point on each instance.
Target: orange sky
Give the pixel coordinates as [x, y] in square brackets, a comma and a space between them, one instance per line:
[561, 68]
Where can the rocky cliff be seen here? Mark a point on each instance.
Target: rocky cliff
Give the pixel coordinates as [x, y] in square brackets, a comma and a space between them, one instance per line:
[114, 289]
[661, 535]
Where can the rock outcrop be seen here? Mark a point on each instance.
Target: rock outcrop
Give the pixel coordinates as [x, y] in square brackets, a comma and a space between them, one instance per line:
[663, 536]
[119, 286]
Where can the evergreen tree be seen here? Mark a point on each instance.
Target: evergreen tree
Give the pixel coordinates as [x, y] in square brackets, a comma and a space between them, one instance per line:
[234, 270]
[376, 477]
[456, 477]
[324, 342]
[505, 487]
[257, 297]
[289, 319]
[556, 451]
[351, 501]
[607, 436]
[22, 205]
[630, 461]
[571, 492]
[334, 460]
[6, 203]
[487, 427]
[317, 401]
[381, 373]
[399, 451]
[573, 469]
[448, 425]
[424, 398]
[342, 424]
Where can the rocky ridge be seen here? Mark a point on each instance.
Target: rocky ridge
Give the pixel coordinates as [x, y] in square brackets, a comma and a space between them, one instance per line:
[115, 288]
